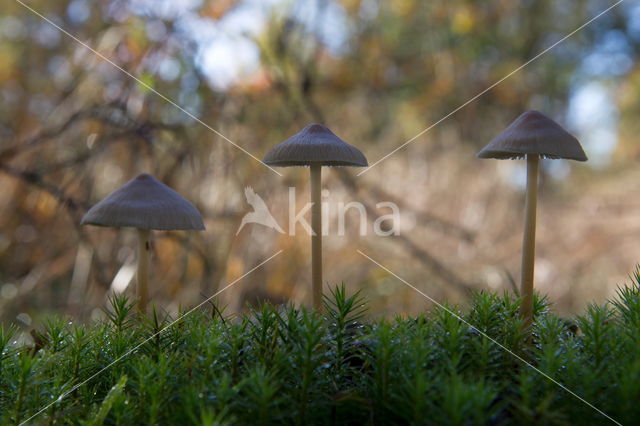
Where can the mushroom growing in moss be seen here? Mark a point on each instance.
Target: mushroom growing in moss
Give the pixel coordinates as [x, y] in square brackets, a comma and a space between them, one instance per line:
[532, 136]
[144, 203]
[315, 146]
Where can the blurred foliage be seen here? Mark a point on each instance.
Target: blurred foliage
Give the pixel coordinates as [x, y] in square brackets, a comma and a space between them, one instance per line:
[73, 128]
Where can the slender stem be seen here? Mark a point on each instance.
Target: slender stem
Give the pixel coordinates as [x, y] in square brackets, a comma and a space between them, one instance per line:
[316, 238]
[529, 240]
[21, 392]
[143, 269]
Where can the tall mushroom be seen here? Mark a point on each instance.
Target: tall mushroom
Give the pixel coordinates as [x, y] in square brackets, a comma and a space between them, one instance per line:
[144, 203]
[532, 136]
[315, 146]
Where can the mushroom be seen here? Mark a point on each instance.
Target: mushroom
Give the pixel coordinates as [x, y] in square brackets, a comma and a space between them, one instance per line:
[144, 203]
[315, 146]
[532, 136]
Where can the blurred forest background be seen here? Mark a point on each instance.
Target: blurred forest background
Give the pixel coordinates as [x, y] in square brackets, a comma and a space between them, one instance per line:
[73, 128]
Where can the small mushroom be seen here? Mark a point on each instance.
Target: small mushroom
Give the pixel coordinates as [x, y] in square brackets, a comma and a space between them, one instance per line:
[532, 136]
[315, 146]
[144, 203]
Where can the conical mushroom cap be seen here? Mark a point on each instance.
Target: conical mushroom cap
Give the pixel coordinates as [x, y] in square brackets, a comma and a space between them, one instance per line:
[315, 144]
[144, 203]
[534, 133]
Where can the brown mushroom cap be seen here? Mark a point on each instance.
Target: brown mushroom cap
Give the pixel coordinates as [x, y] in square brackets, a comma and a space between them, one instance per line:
[534, 133]
[145, 203]
[315, 144]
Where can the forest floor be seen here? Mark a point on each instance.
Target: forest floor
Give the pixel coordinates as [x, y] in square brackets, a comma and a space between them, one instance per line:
[283, 364]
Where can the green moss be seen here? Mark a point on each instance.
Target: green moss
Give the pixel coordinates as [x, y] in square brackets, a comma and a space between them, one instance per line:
[289, 365]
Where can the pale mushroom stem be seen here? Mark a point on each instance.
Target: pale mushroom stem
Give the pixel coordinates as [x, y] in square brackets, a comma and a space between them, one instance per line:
[529, 239]
[143, 269]
[316, 238]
